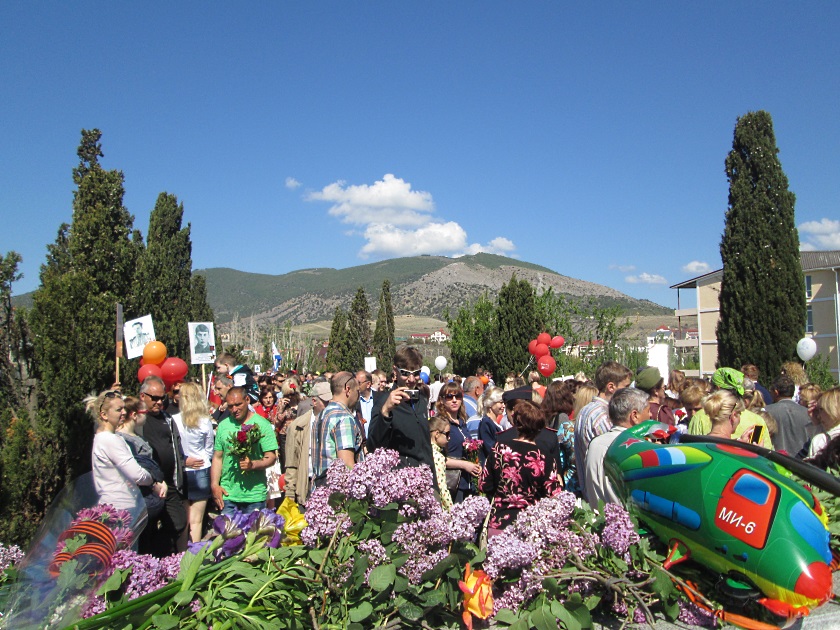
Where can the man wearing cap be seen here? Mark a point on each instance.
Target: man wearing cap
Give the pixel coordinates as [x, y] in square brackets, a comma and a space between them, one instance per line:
[299, 442]
[594, 420]
[400, 418]
[546, 439]
[649, 380]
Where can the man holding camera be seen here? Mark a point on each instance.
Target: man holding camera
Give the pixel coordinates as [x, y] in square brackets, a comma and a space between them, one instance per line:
[400, 420]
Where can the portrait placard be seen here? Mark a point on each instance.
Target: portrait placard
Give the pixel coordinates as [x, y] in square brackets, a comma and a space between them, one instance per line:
[202, 342]
[137, 333]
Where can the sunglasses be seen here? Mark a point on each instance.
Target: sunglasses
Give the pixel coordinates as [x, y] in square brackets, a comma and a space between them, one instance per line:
[446, 433]
[407, 373]
[108, 396]
[152, 398]
[453, 397]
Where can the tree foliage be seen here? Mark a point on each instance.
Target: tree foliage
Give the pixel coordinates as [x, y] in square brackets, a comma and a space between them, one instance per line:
[10, 390]
[384, 342]
[165, 285]
[338, 346]
[516, 326]
[762, 297]
[473, 331]
[358, 332]
[89, 270]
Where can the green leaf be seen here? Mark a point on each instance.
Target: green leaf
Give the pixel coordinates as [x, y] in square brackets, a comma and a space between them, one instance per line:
[336, 501]
[542, 619]
[361, 612]
[357, 511]
[411, 612]
[114, 582]
[569, 621]
[183, 598]
[552, 587]
[506, 616]
[592, 601]
[522, 624]
[382, 577]
[317, 556]
[400, 584]
[441, 567]
[433, 598]
[166, 622]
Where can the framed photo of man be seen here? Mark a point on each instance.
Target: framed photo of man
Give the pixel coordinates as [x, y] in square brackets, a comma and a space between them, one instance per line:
[202, 342]
[137, 333]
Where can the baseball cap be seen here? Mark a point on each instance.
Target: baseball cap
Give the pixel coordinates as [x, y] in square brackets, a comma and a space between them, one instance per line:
[322, 391]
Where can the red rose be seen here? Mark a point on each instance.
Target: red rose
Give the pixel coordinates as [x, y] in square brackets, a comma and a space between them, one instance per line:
[242, 436]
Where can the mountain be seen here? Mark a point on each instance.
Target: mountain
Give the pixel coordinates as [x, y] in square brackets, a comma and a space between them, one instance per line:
[420, 285]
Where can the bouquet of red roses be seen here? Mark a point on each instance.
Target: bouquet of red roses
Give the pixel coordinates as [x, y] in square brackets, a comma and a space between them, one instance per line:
[471, 450]
[243, 441]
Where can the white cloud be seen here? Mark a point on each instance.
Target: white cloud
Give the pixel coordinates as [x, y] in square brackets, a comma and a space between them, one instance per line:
[646, 278]
[292, 183]
[697, 267]
[388, 201]
[399, 221]
[499, 245]
[822, 234]
[624, 268]
[433, 238]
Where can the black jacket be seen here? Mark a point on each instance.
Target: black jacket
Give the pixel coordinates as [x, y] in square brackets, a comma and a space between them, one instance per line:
[406, 431]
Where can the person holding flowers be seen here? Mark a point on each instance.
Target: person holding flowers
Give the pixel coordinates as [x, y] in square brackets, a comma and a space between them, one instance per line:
[450, 407]
[245, 447]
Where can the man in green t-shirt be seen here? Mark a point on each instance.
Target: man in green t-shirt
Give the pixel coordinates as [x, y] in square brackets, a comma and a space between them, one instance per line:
[241, 484]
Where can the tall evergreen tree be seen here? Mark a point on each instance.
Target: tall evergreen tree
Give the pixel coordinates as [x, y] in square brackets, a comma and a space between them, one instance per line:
[358, 331]
[516, 326]
[384, 343]
[337, 349]
[10, 386]
[89, 270]
[762, 297]
[473, 332]
[164, 284]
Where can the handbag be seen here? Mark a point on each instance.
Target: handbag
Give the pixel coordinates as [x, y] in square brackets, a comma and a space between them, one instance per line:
[453, 479]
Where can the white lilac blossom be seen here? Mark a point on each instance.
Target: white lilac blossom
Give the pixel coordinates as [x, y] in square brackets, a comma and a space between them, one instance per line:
[9, 556]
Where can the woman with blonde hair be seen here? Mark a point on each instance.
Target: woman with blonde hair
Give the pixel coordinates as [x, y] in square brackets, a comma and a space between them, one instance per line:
[113, 463]
[583, 396]
[724, 410]
[826, 410]
[197, 437]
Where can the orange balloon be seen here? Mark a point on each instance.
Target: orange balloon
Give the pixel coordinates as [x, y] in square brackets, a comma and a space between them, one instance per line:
[484, 380]
[154, 353]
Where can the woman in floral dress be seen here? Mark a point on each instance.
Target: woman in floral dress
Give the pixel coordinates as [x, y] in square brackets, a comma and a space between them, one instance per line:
[517, 474]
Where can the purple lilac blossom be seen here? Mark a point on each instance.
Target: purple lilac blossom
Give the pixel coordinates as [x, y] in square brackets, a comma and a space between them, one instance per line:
[694, 616]
[321, 519]
[466, 517]
[618, 533]
[507, 552]
[376, 554]
[9, 556]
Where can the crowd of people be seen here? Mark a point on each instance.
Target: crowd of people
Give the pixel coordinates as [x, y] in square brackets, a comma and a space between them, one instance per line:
[258, 438]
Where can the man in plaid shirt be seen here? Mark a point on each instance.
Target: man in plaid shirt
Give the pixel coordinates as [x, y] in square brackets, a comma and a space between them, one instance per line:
[337, 433]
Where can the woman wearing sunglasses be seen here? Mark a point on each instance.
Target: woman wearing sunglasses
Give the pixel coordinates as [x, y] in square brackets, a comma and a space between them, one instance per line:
[450, 407]
[113, 463]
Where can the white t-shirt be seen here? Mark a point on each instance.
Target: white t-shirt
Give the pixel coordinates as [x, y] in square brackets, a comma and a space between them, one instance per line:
[196, 441]
[115, 471]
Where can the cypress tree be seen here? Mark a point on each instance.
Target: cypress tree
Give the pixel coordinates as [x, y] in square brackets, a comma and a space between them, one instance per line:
[89, 269]
[762, 297]
[384, 343]
[164, 284]
[10, 386]
[358, 331]
[516, 326]
[336, 360]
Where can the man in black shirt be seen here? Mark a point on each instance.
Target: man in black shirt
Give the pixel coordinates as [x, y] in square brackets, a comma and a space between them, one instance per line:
[400, 420]
[167, 533]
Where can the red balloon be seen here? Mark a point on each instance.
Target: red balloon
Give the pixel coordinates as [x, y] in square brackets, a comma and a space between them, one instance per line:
[546, 365]
[174, 369]
[557, 342]
[541, 350]
[150, 369]
[142, 361]
[544, 337]
[532, 347]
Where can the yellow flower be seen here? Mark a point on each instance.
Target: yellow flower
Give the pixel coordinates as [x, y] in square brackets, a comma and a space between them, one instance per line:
[294, 521]
[478, 598]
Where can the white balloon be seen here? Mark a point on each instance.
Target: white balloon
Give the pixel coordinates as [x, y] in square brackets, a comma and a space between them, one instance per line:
[425, 370]
[806, 348]
[440, 363]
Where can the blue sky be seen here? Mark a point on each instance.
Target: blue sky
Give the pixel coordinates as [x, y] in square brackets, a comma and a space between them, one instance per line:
[589, 137]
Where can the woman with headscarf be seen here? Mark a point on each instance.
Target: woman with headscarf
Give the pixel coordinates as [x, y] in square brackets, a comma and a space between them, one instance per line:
[733, 381]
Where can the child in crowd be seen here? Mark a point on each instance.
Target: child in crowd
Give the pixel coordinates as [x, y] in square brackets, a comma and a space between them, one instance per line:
[439, 429]
[240, 374]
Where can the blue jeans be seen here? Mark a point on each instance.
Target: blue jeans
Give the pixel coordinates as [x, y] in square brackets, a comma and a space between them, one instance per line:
[198, 484]
[245, 508]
